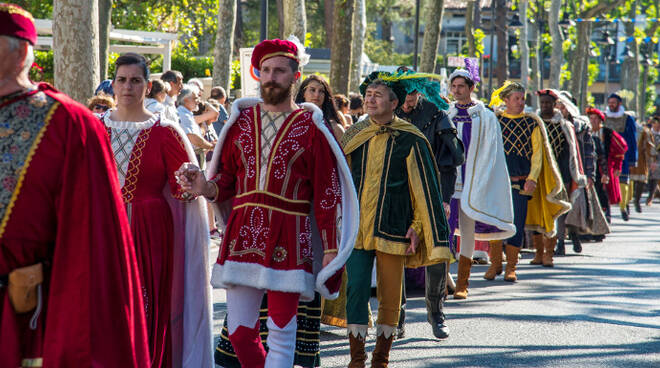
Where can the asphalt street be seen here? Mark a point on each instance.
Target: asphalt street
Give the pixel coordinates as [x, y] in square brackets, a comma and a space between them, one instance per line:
[600, 308]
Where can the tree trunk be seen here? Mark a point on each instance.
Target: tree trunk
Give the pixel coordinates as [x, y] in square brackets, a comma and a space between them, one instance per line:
[340, 53]
[386, 30]
[280, 19]
[295, 20]
[502, 67]
[469, 28]
[359, 35]
[223, 44]
[328, 10]
[105, 14]
[630, 65]
[238, 31]
[557, 56]
[579, 67]
[523, 45]
[432, 28]
[76, 47]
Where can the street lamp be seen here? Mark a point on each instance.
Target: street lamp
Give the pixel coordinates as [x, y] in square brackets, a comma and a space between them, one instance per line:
[515, 22]
[565, 21]
[627, 52]
[607, 42]
[606, 39]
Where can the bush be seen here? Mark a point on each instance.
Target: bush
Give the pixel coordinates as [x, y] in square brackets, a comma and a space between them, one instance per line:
[44, 70]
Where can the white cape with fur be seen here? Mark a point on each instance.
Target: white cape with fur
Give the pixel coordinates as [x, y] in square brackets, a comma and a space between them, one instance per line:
[486, 192]
[348, 219]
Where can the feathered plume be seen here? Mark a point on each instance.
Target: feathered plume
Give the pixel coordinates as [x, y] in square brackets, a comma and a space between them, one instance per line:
[303, 57]
[473, 68]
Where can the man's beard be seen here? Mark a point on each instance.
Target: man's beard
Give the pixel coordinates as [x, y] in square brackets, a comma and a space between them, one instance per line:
[274, 94]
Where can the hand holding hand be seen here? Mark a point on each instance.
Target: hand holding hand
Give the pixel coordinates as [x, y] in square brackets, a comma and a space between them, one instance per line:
[605, 179]
[328, 257]
[414, 241]
[192, 179]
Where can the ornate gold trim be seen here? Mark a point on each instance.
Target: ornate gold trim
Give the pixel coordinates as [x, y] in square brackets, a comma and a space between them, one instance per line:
[273, 151]
[261, 205]
[296, 201]
[28, 159]
[12, 9]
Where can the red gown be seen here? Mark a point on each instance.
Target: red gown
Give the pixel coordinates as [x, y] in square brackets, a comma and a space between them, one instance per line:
[60, 204]
[615, 156]
[268, 239]
[147, 154]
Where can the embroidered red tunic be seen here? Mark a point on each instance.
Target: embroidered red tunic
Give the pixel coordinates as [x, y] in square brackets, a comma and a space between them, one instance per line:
[268, 239]
[60, 204]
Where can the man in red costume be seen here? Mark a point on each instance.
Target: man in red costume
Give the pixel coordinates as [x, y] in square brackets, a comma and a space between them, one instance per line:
[294, 211]
[70, 295]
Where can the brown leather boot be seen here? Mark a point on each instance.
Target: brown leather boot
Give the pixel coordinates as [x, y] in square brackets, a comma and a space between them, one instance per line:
[464, 265]
[358, 356]
[537, 241]
[549, 245]
[381, 355]
[495, 260]
[511, 262]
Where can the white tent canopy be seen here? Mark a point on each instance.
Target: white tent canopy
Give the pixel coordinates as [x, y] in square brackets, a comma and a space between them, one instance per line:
[151, 42]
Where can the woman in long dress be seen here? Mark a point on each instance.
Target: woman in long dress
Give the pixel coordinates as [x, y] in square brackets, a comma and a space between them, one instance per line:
[169, 228]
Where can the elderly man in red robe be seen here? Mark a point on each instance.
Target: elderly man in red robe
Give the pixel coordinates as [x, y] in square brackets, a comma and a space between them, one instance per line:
[294, 209]
[69, 286]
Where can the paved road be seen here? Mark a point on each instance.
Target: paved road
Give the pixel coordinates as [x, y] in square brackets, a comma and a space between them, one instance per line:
[600, 308]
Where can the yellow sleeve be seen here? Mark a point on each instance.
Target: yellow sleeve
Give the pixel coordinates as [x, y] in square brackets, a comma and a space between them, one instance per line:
[537, 155]
[413, 187]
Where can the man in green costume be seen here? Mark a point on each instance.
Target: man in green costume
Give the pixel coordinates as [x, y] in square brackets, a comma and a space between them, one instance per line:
[402, 220]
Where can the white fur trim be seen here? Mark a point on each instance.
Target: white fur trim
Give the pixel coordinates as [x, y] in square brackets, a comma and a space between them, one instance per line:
[261, 277]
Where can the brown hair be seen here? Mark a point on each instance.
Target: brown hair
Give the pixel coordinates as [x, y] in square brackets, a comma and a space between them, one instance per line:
[100, 99]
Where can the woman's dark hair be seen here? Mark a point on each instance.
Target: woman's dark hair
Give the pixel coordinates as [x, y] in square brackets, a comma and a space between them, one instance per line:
[131, 58]
[157, 86]
[328, 107]
[356, 101]
[341, 101]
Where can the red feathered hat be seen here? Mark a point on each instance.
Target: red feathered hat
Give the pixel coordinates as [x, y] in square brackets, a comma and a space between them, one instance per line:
[270, 48]
[593, 110]
[17, 22]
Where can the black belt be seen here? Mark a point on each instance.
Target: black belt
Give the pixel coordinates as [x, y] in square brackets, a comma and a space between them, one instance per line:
[4, 280]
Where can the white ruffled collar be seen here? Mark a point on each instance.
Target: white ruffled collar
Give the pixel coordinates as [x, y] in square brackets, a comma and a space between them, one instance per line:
[140, 125]
[615, 114]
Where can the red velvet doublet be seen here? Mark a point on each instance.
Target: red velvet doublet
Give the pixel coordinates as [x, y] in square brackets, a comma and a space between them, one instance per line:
[268, 240]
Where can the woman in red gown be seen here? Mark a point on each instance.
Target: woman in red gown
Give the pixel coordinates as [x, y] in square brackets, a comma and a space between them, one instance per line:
[170, 234]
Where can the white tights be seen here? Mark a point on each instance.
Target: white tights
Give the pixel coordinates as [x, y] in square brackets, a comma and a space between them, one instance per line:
[466, 226]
